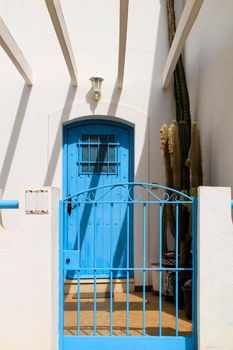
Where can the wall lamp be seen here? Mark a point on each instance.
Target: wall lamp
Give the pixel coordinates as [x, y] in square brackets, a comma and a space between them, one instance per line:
[96, 83]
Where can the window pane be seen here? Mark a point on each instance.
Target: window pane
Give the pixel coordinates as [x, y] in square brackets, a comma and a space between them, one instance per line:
[112, 138]
[112, 168]
[84, 168]
[84, 138]
[104, 138]
[94, 168]
[103, 153]
[112, 153]
[85, 153]
[93, 138]
[93, 153]
[103, 168]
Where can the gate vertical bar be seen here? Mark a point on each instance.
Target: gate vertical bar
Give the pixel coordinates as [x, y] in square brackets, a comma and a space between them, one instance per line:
[95, 229]
[194, 270]
[127, 273]
[78, 277]
[61, 275]
[89, 155]
[78, 304]
[111, 233]
[144, 271]
[177, 266]
[160, 266]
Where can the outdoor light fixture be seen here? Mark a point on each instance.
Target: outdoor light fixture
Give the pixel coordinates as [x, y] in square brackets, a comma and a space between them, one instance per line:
[96, 85]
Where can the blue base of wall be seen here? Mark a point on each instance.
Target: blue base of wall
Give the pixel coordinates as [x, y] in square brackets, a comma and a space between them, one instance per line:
[127, 343]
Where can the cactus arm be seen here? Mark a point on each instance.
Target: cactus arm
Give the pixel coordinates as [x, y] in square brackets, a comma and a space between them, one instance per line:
[169, 181]
[174, 150]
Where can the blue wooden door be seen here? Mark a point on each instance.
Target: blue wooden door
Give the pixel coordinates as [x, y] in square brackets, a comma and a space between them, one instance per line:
[98, 153]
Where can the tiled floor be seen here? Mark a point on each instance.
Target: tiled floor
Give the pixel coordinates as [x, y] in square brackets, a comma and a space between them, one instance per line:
[119, 315]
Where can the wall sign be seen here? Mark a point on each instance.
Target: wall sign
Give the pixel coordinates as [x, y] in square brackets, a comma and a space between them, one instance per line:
[36, 201]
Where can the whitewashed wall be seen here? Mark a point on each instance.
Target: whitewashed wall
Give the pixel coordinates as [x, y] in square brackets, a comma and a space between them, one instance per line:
[208, 58]
[215, 269]
[29, 269]
[31, 118]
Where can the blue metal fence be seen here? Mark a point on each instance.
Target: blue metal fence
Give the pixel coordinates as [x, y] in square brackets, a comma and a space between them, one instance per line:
[137, 197]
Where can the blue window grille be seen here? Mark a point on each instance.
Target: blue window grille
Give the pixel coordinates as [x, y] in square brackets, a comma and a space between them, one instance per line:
[98, 154]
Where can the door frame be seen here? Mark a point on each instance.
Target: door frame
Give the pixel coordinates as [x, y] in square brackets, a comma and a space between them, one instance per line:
[82, 122]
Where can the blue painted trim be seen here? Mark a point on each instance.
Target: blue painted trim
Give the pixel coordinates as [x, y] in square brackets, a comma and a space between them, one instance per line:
[127, 271]
[61, 277]
[232, 203]
[195, 272]
[124, 343]
[64, 163]
[160, 267]
[177, 265]
[9, 204]
[144, 271]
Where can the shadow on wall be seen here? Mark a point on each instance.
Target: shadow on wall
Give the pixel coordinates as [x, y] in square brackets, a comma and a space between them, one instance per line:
[14, 137]
[57, 143]
[160, 109]
[114, 101]
[115, 98]
[65, 115]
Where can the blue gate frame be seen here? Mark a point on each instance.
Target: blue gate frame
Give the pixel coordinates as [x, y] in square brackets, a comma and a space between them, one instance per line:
[130, 194]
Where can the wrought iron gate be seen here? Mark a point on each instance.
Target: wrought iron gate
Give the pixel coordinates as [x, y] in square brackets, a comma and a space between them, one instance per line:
[93, 325]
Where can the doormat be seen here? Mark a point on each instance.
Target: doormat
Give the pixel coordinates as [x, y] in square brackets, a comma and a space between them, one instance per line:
[102, 295]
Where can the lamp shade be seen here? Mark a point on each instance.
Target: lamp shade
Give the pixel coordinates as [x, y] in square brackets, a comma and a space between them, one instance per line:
[96, 83]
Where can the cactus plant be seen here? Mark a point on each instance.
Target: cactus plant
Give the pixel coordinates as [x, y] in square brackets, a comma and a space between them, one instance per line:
[171, 149]
[194, 160]
[175, 153]
[183, 115]
[176, 146]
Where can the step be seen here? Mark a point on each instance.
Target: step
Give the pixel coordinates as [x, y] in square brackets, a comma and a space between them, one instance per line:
[102, 285]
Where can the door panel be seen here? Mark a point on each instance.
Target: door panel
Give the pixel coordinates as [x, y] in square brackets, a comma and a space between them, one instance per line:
[99, 154]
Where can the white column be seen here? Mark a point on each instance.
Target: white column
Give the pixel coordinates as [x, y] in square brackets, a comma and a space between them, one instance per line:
[29, 279]
[215, 269]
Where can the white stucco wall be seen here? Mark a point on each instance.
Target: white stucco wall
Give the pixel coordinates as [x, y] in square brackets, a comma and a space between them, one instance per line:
[215, 269]
[32, 118]
[208, 61]
[29, 269]
[29, 280]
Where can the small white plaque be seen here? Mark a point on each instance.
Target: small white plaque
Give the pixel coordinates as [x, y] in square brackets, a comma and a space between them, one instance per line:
[36, 201]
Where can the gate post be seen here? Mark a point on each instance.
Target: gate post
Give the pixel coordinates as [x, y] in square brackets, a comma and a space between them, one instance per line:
[215, 269]
[29, 274]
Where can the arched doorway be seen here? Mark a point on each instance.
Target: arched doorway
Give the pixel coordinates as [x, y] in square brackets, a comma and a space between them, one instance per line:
[98, 153]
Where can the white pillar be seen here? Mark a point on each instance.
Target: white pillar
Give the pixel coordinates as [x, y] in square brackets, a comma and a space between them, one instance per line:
[215, 269]
[29, 278]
